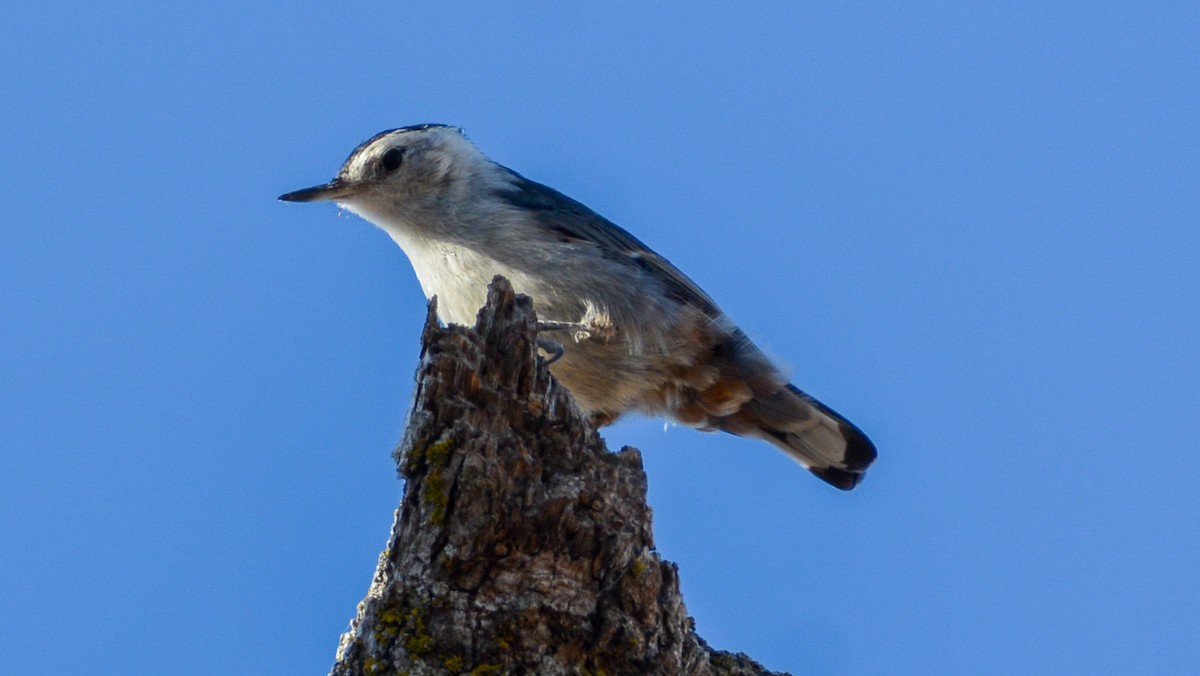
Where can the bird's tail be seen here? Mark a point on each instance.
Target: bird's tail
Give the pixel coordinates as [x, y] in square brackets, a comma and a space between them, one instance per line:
[749, 398]
[830, 446]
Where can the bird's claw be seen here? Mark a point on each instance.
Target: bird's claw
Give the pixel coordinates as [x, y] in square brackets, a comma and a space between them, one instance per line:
[553, 348]
[578, 331]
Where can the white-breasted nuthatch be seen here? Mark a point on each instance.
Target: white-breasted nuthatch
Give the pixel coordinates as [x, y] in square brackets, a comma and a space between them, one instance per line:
[646, 337]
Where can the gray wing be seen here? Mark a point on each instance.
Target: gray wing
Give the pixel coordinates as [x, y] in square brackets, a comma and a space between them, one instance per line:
[574, 222]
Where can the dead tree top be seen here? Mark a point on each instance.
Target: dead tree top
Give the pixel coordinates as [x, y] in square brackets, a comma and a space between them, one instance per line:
[522, 545]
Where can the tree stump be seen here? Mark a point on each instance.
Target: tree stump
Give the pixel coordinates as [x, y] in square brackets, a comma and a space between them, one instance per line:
[522, 545]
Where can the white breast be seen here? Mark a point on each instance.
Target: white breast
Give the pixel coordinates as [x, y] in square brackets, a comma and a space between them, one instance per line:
[458, 276]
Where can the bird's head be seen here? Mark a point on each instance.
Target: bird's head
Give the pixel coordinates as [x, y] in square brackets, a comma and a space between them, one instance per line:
[409, 165]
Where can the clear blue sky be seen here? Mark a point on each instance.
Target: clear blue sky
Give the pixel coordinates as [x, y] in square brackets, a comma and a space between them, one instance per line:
[974, 231]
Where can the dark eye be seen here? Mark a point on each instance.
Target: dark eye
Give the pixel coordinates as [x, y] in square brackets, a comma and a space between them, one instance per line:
[391, 159]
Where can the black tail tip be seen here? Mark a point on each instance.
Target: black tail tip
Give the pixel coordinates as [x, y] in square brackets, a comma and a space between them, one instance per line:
[860, 452]
[838, 478]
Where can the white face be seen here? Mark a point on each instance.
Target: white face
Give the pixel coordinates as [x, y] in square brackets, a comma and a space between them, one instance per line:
[396, 166]
[404, 161]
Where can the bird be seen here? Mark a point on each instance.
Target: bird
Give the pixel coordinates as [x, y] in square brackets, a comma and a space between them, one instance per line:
[640, 335]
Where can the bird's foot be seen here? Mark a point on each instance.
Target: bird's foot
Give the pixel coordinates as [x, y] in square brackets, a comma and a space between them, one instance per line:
[552, 348]
[578, 331]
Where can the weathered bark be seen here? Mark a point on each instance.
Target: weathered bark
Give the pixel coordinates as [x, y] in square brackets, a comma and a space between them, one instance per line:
[522, 545]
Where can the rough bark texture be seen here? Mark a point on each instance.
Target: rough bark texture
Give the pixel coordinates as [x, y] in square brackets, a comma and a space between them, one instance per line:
[522, 545]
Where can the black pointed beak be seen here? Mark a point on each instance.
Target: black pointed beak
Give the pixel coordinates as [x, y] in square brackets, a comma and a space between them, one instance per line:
[334, 190]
